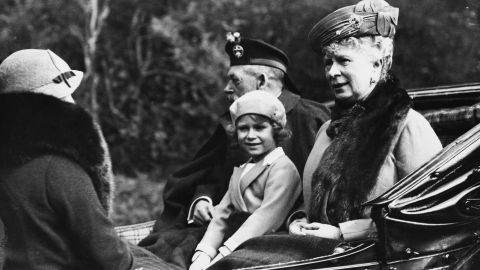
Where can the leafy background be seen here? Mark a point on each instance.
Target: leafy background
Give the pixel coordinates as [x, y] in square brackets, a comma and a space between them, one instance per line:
[154, 69]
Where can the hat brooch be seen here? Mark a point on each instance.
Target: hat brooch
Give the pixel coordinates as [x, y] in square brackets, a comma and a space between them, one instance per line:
[237, 50]
[354, 21]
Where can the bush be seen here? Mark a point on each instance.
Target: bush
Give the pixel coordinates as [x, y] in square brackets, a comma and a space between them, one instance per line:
[136, 199]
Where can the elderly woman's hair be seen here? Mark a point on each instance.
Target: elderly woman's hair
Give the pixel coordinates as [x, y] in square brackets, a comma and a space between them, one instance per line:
[376, 46]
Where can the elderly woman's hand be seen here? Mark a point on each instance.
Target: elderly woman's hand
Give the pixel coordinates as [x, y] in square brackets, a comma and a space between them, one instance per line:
[296, 227]
[322, 230]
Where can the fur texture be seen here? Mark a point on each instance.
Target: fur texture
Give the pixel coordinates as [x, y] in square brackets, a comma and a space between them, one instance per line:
[362, 139]
[32, 125]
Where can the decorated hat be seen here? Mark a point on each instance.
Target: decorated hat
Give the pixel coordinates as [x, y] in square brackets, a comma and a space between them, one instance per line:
[38, 71]
[367, 18]
[245, 51]
[259, 102]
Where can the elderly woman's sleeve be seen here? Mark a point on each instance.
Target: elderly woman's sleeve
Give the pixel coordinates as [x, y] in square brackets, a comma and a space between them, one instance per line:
[416, 145]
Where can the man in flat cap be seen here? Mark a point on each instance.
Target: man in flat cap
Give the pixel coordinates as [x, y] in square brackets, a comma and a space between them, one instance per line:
[190, 196]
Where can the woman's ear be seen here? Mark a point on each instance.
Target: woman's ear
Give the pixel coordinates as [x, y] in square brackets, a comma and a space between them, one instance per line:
[378, 63]
[377, 67]
[262, 81]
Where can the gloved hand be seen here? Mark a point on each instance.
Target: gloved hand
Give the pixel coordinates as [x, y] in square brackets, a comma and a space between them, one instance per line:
[297, 226]
[200, 261]
[222, 252]
[203, 212]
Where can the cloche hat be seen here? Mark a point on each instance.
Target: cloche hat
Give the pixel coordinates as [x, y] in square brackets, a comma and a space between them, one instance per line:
[261, 103]
[38, 71]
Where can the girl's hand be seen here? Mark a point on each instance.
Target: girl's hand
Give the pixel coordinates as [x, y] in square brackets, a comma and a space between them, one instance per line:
[216, 259]
[296, 227]
[322, 230]
[222, 252]
[200, 261]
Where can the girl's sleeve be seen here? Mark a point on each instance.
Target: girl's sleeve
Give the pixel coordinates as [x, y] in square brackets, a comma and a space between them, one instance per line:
[213, 237]
[282, 189]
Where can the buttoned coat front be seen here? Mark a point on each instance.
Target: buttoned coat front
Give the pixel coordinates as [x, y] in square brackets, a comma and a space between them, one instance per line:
[268, 191]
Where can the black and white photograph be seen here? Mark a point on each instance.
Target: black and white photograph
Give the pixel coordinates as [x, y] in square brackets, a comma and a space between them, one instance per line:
[239, 134]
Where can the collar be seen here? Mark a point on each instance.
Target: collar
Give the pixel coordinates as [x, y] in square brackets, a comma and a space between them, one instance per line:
[288, 99]
[268, 159]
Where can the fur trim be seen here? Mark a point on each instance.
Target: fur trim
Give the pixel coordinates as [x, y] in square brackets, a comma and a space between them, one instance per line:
[350, 166]
[32, 125]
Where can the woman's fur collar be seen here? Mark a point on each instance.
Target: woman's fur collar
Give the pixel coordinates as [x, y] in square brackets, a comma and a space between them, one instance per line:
[350, 166]
[32, 125]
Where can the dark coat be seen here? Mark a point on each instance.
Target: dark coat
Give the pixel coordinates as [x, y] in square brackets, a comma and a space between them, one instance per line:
[209, 172]
[55, 187]
[3, 239]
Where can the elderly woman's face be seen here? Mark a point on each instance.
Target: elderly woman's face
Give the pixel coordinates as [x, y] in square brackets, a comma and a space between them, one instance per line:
[352, 73]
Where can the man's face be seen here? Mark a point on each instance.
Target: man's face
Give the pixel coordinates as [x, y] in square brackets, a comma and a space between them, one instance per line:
[240, 81]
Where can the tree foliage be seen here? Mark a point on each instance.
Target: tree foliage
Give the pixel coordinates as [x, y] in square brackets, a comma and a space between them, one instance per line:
[155, 70]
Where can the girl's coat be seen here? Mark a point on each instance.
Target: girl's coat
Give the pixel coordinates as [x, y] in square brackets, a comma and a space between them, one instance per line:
[268, 191]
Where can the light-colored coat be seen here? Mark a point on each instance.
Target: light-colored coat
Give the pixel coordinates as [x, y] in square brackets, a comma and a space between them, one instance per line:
[415, 144]
[268, 191]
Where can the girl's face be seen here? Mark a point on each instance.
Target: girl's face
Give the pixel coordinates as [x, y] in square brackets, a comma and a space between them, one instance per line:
[255, 136]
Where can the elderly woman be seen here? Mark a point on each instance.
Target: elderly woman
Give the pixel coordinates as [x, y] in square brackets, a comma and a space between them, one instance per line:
[373, 139]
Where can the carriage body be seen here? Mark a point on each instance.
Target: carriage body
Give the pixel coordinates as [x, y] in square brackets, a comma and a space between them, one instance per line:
[431, 218]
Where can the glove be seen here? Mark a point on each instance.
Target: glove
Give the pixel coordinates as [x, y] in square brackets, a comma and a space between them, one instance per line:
[222, 252]
[200, 261]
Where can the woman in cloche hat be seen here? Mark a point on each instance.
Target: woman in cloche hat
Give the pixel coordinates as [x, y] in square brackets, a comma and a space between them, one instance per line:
[56, 181]
[373, 139]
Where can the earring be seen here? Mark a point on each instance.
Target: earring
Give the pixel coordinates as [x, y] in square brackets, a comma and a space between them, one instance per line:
[372, 81]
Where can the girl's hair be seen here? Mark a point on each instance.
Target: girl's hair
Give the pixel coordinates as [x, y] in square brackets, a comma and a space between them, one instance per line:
[280, 133]
[377, 46]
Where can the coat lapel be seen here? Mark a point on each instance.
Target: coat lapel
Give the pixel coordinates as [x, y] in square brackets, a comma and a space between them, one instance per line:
[251, 175]
[236, 194]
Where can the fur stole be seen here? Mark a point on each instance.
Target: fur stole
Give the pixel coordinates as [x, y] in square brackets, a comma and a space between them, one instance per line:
[32, 125]
[362, 139]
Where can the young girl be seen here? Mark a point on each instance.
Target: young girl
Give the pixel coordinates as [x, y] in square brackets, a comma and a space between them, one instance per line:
[266, 187]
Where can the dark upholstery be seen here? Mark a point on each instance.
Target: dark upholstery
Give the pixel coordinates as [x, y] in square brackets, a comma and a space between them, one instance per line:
[450, 123]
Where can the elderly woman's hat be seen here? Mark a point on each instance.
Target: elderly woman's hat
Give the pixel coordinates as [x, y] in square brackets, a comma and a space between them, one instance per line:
[367, 18]
[245, 51]
[261, 103]
[38, 71]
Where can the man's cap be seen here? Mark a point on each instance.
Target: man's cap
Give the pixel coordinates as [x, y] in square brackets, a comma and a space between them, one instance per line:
[38, 71]
[367, 18]
[259, 102]
[245, 51]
